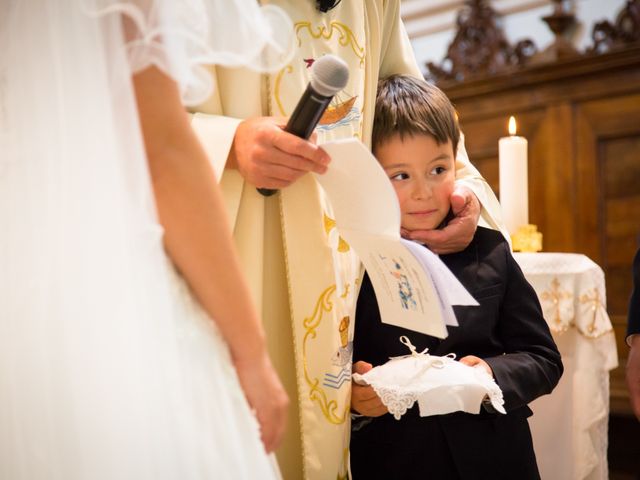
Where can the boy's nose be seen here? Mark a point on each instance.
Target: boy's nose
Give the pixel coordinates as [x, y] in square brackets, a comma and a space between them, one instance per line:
[420, 191]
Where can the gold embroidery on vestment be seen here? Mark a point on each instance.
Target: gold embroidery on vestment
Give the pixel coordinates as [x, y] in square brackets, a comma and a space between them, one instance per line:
[316, 392]
[329, 224]
[347, 38]
[343, 246]
[346, 291]
[345, 461]
[276, 93]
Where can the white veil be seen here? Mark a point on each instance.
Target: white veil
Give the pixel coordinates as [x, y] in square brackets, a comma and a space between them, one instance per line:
[95, 379]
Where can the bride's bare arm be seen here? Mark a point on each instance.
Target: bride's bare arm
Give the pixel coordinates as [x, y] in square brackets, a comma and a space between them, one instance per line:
[198, 240]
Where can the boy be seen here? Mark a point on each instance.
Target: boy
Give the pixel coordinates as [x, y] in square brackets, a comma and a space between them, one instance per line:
[415, 136]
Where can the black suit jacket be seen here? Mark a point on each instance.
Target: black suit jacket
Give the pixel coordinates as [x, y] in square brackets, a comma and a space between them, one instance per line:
[633, 324]
[508, 331]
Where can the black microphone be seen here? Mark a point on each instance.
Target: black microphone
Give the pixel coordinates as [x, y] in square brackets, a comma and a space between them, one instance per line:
[329, 75]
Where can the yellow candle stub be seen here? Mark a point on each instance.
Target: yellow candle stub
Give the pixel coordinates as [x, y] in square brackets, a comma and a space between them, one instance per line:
[527, 239]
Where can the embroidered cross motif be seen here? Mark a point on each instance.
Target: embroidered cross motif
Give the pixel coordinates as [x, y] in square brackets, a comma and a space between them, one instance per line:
[555, 296]
[592, 298]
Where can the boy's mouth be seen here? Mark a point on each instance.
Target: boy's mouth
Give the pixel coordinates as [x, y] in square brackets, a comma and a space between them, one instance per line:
[423, 213]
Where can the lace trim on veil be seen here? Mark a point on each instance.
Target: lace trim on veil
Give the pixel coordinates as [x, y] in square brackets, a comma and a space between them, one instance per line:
[183, 37]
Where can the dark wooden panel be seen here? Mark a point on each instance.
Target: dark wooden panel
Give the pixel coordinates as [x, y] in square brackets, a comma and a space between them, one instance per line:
[620, 250]
[618, 388]
[622, 230]
[606, 127]
[618, 290]
[623, 215]
[621, 166]
[488, 168]
[551, 171]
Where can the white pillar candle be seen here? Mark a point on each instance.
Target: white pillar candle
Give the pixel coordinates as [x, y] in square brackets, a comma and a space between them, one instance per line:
[514, 191]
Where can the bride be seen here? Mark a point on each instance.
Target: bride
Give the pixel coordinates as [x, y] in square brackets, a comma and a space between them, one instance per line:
[115, 253]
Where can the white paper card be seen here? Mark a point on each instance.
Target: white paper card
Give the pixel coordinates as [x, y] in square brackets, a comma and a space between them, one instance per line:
[448, 288]
[405, 292]
[414, 289]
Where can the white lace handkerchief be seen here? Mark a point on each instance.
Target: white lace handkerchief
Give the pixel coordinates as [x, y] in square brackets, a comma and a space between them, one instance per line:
[440, 385]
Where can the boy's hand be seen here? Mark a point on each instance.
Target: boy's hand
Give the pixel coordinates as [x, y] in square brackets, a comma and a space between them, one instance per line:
[364, 399]
[473, 361]
[459, 232]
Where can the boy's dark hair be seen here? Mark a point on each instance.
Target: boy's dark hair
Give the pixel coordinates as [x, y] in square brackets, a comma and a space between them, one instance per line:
[407, 106]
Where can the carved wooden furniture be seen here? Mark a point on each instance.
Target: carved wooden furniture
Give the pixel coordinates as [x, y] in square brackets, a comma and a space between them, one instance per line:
[479, 47]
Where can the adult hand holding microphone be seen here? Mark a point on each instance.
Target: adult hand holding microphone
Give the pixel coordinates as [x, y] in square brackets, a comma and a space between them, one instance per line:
[272, 155]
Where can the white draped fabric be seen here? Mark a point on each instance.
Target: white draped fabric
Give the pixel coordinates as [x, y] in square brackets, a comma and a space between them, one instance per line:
[569, 426]
[108, 367]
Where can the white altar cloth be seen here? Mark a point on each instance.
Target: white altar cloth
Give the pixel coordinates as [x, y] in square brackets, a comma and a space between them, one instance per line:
[569, 427]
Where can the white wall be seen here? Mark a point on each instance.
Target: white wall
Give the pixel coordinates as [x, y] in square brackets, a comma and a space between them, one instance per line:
[431, 23]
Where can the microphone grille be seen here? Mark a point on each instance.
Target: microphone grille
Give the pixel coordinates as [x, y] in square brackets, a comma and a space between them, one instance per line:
[329, 75]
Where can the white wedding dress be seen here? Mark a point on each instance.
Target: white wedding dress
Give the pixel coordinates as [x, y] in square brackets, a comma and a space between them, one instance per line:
[108, 367]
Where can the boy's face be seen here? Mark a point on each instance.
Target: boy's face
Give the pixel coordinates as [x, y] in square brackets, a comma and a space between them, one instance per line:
[423, 174]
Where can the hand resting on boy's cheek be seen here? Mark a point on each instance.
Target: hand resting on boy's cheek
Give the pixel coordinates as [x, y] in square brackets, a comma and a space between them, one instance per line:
[364, 399]
[474, 361]
[460, 230]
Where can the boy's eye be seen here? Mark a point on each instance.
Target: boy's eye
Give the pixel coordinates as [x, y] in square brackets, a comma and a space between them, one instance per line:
[438, 170]
[399, 176]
